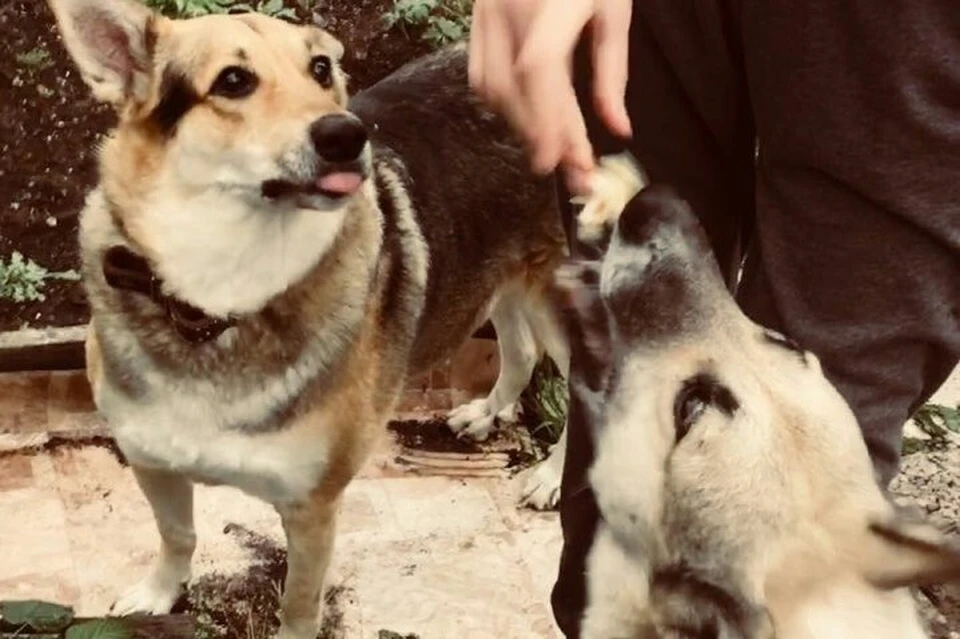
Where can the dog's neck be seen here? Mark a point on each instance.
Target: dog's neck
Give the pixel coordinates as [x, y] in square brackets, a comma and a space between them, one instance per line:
[125, 270]
[125, 267]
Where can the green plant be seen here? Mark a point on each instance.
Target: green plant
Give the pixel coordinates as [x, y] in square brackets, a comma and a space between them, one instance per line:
[545, 402]
[936, 421]
[35, 616]
[190, 8]
[32, 619]
[35, 58]
[440, 21]
[23, 280]
[194, 8]
[272, 8]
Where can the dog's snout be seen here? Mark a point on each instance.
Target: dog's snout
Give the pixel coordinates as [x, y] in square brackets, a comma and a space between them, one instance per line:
[338, 138]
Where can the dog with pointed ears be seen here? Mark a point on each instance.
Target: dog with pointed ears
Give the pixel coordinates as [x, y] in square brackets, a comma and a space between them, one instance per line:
[267, 262]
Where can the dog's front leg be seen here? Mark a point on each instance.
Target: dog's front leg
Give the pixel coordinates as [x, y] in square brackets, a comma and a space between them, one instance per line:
[310, 531]
[171, 498]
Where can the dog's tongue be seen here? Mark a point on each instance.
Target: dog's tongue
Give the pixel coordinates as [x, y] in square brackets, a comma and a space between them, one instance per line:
[342, 183]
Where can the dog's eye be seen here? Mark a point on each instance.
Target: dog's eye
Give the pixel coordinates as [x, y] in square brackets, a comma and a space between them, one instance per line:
[695, 396]
[321, 68]
[234, 82]
[689, 406]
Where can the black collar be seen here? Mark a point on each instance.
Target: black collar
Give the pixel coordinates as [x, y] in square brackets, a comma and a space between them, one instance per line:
[127, 271]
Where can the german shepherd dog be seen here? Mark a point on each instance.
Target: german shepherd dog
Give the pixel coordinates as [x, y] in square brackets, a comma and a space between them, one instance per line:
[738, 500]
[266, 264]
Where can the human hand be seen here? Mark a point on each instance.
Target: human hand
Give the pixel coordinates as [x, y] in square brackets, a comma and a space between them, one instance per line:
[521, 62]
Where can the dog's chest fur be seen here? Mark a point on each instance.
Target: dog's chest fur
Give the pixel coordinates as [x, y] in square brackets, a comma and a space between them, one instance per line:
[233, 410]
[180, 428]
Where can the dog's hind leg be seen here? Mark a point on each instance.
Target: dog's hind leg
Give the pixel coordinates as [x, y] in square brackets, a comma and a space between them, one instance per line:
[310, 530]
[171, 498]
[520, 351]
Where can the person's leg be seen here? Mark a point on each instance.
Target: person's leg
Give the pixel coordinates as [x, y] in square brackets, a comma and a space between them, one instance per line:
[857, 247]
[692, 130]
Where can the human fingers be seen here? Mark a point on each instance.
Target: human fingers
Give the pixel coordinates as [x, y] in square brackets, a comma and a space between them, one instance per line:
[577, 158]
[492, 55]
[545, 84]
[475, 49]
[611, 53]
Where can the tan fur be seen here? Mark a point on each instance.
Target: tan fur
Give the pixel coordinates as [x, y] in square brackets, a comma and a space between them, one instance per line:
[737, 494]
[328, 297]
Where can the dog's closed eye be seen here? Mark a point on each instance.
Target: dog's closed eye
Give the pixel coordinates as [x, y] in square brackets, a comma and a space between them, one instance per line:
[782, 341]
[700, 392]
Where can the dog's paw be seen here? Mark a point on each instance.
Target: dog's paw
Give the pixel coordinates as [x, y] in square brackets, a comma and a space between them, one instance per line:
[152, 596]
[475, 420]
[612, 186]
[542, 488]
[460, 418]
[510, 414]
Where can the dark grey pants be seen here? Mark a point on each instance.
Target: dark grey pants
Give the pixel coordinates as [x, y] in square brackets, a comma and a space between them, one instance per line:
[819, 141]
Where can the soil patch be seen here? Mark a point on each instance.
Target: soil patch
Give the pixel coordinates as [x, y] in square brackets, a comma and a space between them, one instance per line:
[59, 442]
[246, 605]
[435, 436]
[930, 481]
[50, 126]
[238, 606]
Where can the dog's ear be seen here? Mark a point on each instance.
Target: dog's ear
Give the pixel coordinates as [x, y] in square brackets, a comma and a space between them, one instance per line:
[112, 43]
[904, 551]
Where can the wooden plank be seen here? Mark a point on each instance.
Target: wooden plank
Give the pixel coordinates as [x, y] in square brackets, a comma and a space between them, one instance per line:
[46, 349]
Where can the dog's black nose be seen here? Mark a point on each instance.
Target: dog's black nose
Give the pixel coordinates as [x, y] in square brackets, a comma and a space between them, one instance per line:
[338, 138]
[652, 211]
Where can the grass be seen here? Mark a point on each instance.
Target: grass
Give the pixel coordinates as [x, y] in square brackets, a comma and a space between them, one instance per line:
[439, 22]
[23, 280]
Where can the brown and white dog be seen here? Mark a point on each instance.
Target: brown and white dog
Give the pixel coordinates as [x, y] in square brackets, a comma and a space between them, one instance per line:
[737, 496]
[266, 266]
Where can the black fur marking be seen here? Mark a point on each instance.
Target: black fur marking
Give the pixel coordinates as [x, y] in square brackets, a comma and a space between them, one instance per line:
[901, 538]
[692, 606]
[394, 286]
[177, 97]
[696, 395]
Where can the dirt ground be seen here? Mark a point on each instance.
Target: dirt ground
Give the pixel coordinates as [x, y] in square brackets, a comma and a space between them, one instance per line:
[930, 481]
[227, 605]
[50, 126]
